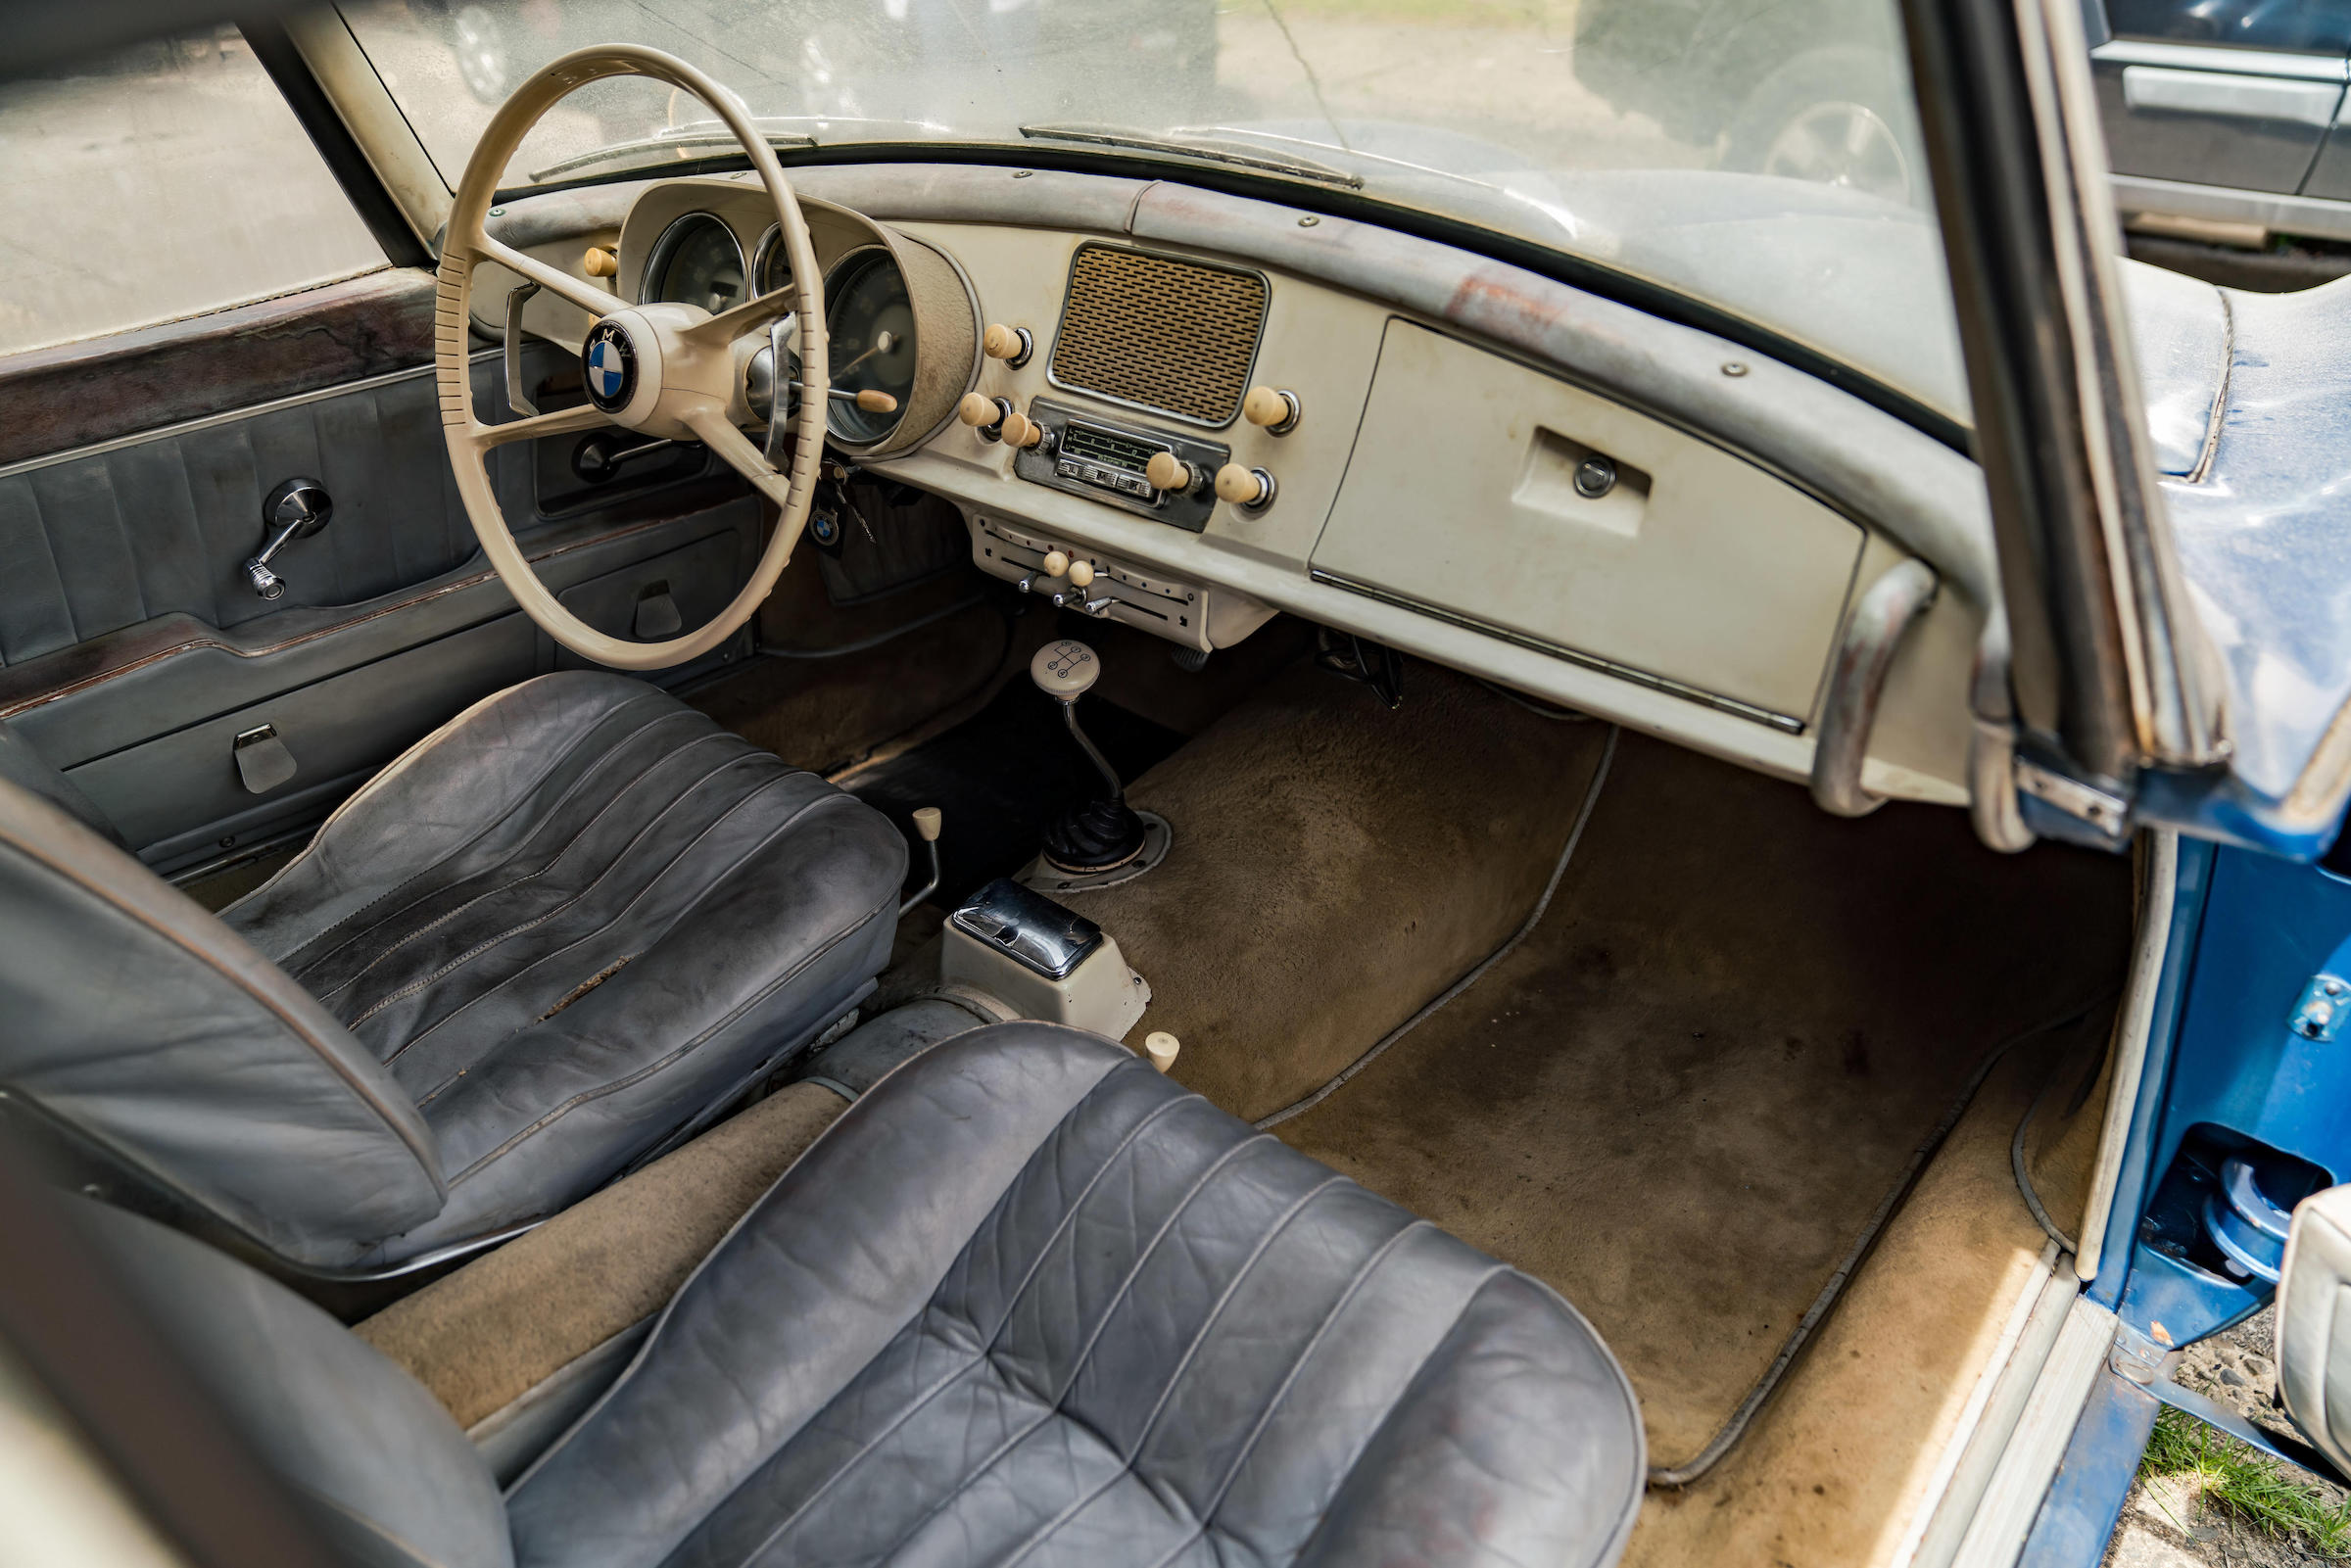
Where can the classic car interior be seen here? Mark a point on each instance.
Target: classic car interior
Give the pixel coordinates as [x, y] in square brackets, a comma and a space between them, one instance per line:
[989, 740]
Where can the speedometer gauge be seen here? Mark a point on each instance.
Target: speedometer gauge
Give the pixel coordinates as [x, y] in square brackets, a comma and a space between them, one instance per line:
[871, 323]
[696, 260]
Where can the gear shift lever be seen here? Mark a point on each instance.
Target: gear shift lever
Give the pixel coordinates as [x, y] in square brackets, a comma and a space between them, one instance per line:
[1101, 834]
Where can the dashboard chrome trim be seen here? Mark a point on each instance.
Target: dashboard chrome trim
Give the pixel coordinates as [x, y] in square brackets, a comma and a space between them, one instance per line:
[1785, 724]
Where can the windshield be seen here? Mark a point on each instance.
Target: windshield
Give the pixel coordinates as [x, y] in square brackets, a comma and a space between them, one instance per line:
[1759, 154]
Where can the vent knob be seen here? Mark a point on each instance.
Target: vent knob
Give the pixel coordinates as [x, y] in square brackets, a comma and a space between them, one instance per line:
[1081, 574]
[1245, 487]
[1274, 410]
[1056, 562]
[1166, 472]
[1012, 345]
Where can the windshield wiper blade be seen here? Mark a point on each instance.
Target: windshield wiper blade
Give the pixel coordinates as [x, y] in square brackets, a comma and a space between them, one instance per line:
[1240, 154]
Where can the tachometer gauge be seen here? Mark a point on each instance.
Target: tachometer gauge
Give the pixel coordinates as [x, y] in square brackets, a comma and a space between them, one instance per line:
[696, 260]
[871, 323]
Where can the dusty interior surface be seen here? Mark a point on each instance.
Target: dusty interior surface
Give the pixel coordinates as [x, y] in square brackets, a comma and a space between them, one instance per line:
[482, 1336]
[1336, 864]
[1684, 1098]
[1837, 1466]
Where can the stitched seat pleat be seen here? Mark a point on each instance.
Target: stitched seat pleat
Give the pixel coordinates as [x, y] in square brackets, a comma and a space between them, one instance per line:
[1106, 1349]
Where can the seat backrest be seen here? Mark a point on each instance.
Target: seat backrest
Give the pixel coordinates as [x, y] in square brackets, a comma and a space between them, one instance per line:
[383, 1472]
[137, 1022]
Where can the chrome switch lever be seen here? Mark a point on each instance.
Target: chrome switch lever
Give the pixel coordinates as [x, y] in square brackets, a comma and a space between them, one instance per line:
[295, 510]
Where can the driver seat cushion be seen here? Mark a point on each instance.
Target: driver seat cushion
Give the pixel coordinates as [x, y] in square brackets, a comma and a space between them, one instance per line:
[1028, 1299]
[569, 920]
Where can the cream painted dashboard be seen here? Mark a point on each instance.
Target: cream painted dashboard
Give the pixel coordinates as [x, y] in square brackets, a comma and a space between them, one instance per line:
[1427, 498]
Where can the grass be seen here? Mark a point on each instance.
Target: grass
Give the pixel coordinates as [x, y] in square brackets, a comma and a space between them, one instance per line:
[2248, 1484]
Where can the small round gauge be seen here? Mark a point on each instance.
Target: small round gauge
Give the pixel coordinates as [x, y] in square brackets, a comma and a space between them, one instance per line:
[771, 264]
[696, 260]
[871, 322]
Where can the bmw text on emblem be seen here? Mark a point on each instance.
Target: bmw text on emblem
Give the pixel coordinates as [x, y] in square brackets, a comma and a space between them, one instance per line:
[609, 363]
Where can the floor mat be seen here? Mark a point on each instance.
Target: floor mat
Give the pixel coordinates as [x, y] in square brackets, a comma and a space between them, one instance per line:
[1336, 864]
[1687, 1093]
[1000, 776]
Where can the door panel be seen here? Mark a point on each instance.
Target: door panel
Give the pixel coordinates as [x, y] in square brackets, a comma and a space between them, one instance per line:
[163, 790]
[162, 526]
[2168, 115]
[133, 649]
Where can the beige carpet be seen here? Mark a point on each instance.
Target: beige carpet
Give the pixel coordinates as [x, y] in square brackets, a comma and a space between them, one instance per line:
[1336, 864]
[481, 1337]
[1685, 1097]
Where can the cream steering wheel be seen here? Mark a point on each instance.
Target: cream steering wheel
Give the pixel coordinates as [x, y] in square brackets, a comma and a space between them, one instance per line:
[671, 370]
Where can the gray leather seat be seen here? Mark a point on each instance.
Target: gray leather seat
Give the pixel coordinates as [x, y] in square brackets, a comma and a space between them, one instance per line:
[560, 927]
[1026, 1301]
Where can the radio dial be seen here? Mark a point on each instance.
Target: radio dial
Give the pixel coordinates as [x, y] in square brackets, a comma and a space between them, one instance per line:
[1166, 472]
[1022, 430]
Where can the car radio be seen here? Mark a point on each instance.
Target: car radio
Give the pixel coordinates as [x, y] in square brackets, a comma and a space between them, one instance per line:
[1106, 459]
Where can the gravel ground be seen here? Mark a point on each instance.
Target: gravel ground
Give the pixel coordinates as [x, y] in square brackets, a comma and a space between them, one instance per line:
[2165, 1522]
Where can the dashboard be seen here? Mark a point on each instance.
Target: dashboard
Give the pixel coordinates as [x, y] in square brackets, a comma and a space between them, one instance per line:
[1187, 442]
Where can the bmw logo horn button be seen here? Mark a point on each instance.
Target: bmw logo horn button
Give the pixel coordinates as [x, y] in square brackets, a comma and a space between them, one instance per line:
[608, 361]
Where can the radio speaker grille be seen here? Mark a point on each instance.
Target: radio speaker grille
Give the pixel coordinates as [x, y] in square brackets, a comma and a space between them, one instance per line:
[1159, 332]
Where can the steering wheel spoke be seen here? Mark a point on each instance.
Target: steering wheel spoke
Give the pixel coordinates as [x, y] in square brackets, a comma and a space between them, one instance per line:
[563, 422]
[741, 320]
[739, 452]
[595, 301]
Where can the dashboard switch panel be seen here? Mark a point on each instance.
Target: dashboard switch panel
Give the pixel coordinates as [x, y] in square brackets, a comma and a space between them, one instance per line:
[1108, 460]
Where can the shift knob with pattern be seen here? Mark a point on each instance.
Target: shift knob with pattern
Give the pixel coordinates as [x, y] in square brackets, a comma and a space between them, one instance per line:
[1065, 670]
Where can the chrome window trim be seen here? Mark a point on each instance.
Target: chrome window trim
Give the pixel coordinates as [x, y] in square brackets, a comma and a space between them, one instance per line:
[2231, 95]
[2315, 216]
[2234, 61]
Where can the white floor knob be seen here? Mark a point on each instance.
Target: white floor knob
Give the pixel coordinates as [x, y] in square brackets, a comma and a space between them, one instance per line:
[1161, 1047]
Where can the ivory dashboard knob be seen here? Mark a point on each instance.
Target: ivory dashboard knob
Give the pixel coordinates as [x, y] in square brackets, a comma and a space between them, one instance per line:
[1244, 487]
[1274, 410]
[1009, 344]
[1057, 561]
[873, 399]
[977, 411]
[1022, 430]
[1082, 572]
[1166, 472]
[599, 262]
